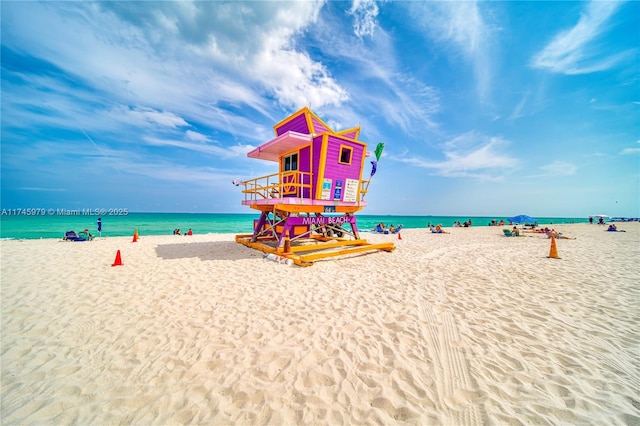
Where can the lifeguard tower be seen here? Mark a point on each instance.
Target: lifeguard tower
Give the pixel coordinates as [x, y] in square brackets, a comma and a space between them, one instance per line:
[307, 208]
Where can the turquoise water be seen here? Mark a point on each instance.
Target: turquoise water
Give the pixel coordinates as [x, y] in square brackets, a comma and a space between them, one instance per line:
[54, 226]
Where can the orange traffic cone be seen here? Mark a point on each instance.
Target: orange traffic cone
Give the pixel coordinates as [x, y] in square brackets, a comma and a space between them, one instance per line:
[118, 261]
[553, 252]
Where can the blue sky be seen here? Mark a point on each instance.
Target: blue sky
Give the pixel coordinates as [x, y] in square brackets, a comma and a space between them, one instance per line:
[485, 108]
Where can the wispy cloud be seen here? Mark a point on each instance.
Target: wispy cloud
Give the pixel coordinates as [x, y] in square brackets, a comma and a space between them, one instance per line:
[630, 151]
[197, 137]
[559, 168]
[461, 25]
[162, 118]
[37, 189]
[222, 152]
[383, 88]
[576, 51]
[517, 112]
[469, 156]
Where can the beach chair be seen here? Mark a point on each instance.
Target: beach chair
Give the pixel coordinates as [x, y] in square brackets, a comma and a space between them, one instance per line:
[508, 233]
[398, 229]
[72, 236]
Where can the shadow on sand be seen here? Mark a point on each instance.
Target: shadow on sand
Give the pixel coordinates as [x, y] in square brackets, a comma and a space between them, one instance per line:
[216, 250]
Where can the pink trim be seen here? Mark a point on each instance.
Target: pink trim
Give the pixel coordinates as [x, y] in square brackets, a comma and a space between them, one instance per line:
[284, 143]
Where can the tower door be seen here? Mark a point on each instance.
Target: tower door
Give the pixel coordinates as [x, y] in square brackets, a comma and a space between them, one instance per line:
[290, 178]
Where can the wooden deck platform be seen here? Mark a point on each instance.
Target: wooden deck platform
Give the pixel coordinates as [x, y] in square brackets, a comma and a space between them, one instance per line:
[305, 252]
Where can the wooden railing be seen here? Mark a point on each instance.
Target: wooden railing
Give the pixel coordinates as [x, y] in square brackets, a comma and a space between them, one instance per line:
[364, 187]
[287, 184]
[278, 185]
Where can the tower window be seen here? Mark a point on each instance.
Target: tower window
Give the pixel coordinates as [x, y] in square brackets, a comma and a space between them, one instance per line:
[346, 153]
[290, 162]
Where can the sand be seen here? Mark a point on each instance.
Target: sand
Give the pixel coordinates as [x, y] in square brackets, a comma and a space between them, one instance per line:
[467, 328]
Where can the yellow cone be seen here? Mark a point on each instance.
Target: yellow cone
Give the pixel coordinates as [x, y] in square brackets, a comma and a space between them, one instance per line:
[553, 252]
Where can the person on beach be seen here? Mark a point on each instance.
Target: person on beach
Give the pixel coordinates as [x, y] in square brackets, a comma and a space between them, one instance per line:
[557, 235]
[189, 232]
[537, 231]
[379, 228]
[437, 229]
[515, 231]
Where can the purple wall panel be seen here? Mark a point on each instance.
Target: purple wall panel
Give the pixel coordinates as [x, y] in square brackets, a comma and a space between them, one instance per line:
[350, 135]
[334, 170]
[298, 124]
[317, 150]
[304, 162]
[318, 126]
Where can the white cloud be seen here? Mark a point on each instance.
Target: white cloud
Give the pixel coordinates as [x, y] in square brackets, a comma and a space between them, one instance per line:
[197, 137]
[179, 56]
[574, 51]
[364, 14]
[296, 80]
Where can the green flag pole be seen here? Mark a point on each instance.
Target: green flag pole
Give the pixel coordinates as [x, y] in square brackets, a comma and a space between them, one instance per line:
[374, 165]
[378, 151]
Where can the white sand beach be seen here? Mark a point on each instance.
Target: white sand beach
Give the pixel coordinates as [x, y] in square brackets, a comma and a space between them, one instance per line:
[465, 328]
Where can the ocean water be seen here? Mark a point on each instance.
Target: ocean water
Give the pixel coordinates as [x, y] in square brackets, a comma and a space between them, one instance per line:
[21, 226]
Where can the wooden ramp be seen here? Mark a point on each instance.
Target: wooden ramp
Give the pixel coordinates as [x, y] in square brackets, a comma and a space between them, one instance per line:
[305, 252]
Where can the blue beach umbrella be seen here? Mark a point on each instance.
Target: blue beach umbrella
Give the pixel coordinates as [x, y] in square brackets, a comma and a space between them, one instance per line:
[523, 218]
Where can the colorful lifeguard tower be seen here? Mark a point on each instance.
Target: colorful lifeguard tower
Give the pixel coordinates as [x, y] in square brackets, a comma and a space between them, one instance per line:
[307, 208]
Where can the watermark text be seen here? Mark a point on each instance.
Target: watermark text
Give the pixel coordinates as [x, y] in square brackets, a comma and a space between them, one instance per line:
[64, 212]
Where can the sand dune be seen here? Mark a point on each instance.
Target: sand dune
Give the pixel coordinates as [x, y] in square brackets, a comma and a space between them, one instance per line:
[467, 328]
